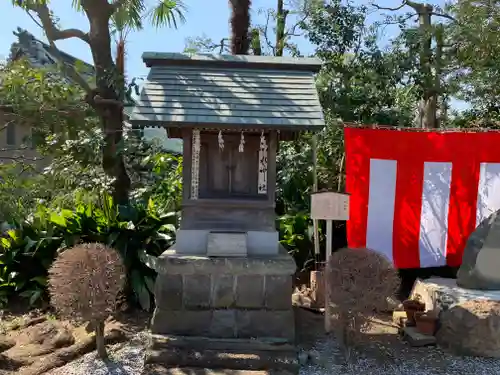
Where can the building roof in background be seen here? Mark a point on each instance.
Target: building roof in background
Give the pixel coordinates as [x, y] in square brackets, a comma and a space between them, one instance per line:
[39, 55]
[229, 91]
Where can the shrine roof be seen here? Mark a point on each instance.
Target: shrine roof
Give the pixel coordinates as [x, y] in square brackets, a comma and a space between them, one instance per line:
[229, 91]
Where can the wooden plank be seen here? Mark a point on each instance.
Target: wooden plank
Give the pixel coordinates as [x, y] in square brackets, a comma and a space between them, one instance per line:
[416, 339]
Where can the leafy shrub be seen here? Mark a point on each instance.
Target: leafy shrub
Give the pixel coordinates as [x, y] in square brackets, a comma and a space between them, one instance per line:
[296, 235]
[84, 283]
[358, 282]
[29, 248]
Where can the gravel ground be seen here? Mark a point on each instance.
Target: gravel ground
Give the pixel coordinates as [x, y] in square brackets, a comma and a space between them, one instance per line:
[124, 359]
[326, 359]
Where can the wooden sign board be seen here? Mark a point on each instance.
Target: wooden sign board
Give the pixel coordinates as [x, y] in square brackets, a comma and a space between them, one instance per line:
[329, 205]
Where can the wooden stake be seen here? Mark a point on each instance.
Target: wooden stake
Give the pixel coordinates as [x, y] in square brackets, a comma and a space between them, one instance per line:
[315, 189]
[329, 251]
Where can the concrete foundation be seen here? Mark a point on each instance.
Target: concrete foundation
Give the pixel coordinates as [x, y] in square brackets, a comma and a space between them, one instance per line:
[216, 297]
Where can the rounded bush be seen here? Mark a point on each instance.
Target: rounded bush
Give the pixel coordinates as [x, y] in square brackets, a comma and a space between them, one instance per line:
[84, 281]
[358, 283]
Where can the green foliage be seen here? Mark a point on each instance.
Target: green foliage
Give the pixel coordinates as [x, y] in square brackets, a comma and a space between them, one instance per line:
[296, 235]
[29, 248]
[40, 99]
[476, 56]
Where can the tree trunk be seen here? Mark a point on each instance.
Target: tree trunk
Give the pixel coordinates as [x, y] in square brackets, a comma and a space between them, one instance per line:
[99, 340]
[110, 87]
[240, 26]
[255, 42]
[281, 15]
[428, 102]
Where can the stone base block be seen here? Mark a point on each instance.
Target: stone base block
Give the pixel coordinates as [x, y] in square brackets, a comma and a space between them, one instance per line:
[440, 294]
[231, 323]
[224, 297]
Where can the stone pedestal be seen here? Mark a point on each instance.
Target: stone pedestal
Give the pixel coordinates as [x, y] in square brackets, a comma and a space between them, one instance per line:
[215, 297]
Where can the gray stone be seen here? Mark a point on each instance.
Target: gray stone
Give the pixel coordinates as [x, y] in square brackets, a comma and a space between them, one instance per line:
[263, 242]
[278, 292]
[197, 290]
[250, 291]
[471, 328]
[223, 324]
[266, 323]
[181, 322]
[481, 259]
[223, 291]
[168, 292]
[191, 242]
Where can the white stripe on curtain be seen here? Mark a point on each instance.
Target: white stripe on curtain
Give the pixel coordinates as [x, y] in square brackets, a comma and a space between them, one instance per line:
[488, 192]
[381, 200]
[434, 217]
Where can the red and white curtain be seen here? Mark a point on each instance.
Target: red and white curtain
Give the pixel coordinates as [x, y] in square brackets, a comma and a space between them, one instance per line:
[416, 196]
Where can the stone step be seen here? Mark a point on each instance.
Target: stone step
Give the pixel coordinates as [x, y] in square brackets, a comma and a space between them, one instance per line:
[226, 359]
[157, 369]
[159, 342]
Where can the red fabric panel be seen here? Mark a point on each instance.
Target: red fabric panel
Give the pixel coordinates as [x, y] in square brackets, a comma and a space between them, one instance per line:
[465, 150]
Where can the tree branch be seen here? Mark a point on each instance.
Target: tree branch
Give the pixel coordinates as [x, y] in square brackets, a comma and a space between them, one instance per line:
[53, 33]
[391, 9]
[420, 8]
[443, 15]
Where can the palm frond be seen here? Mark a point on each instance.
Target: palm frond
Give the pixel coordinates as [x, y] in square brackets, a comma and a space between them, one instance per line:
[129, 16]
[167, 13]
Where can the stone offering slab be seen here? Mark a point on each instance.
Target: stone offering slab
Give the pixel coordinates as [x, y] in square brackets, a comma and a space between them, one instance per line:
[222, 244]
[440, 294]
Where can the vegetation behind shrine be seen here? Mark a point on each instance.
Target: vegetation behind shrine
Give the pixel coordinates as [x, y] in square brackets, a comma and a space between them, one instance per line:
[407, 81]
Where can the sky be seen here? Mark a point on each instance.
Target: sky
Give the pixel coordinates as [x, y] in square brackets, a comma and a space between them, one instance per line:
[210, 19]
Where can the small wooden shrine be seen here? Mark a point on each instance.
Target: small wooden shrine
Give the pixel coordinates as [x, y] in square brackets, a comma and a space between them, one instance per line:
[227, 275]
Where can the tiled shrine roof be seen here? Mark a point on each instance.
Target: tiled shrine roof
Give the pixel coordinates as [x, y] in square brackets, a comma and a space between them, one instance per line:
[229, 91]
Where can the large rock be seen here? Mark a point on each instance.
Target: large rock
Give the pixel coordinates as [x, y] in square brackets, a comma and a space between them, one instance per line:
[471, 328]
[481, 258]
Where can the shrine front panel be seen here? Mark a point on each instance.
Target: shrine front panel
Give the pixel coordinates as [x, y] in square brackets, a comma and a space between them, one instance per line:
[229, 170]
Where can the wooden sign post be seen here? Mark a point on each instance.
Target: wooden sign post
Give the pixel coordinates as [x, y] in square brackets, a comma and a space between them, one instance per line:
[329, 206]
